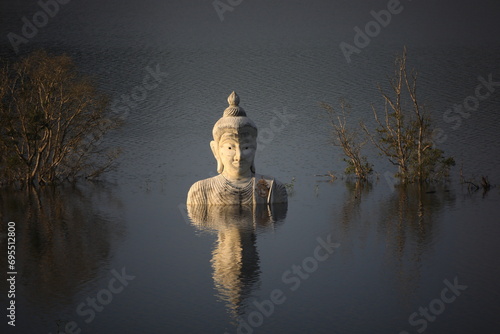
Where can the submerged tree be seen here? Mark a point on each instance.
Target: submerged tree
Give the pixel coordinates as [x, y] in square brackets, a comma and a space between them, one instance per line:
[348, 139]
[404, 134]
[52, 120]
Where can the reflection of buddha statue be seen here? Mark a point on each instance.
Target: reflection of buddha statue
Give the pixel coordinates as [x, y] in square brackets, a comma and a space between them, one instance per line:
[234, 146]
[235, 260]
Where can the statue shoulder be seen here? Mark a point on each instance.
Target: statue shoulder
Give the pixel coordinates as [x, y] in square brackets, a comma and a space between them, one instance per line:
[279, 192]
[201, 192]
[198, 192]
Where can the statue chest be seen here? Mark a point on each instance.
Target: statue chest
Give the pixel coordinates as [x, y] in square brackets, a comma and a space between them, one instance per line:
[257, 191]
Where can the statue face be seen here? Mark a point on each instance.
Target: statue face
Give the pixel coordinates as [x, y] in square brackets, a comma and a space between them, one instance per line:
[237, 153]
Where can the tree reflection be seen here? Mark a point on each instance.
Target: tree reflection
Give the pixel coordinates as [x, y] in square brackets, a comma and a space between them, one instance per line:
[63, 239]
[235, 259]
[351, 208]
[409, 220]
[405, 221]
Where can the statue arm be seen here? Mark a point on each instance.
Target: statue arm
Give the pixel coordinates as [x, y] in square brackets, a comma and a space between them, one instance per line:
[279, 193]
[196, 194]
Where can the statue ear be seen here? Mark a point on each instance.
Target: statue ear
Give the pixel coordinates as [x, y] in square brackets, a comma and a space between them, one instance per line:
[215, 151]
[252, 168]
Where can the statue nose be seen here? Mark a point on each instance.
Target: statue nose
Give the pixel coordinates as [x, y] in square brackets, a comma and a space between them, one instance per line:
[237, 154]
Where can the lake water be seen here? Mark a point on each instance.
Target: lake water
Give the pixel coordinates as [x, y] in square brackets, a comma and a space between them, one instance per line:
[125, 256]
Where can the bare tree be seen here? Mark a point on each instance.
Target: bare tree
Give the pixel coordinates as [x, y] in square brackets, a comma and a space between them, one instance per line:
[348, 140]
[53, 119]
[404, 133]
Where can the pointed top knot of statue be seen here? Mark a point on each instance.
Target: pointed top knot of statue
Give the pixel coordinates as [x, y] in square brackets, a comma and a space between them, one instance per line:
[234, 110]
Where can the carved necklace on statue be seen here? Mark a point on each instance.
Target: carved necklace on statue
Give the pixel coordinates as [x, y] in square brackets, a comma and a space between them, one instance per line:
[243, 193]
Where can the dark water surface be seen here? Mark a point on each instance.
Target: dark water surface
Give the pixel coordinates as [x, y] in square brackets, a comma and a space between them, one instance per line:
[125, 255]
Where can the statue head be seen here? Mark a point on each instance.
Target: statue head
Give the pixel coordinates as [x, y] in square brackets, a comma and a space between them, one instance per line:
[235, 141]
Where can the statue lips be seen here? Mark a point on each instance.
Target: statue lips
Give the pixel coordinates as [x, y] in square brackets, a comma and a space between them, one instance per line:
[239, 164]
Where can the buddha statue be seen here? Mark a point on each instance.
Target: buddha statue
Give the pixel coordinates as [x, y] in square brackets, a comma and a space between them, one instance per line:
[234, 145]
